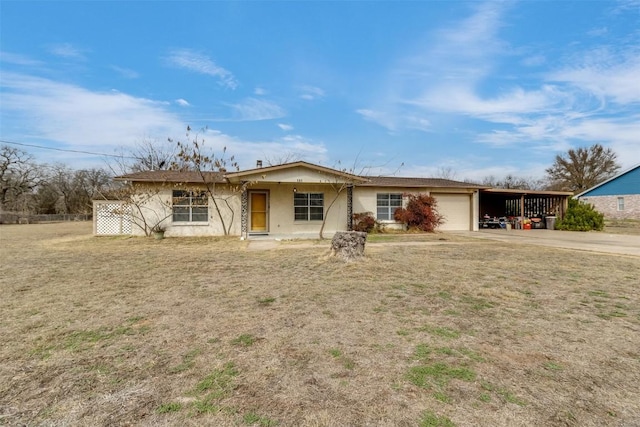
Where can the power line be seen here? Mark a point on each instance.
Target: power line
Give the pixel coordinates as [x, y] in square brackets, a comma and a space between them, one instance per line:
[67, 150]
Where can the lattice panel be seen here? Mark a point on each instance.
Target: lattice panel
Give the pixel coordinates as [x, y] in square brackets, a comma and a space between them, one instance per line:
[113, 219]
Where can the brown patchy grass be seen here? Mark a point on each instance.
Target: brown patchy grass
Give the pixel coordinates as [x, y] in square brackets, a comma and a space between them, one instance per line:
[200, 331]
[627, 226]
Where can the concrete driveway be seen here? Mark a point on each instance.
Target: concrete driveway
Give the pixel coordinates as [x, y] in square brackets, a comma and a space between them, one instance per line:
[621, 244]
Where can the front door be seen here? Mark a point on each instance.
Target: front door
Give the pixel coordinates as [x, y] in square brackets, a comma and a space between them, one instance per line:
[258, 211]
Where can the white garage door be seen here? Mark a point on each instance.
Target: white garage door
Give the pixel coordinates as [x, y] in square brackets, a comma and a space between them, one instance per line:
[456, 209]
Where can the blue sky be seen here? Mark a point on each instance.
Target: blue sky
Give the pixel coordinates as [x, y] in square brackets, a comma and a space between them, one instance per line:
[474, 88]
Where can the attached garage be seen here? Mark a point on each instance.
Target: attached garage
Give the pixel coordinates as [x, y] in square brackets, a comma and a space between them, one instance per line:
[457, 201]
[456, 209]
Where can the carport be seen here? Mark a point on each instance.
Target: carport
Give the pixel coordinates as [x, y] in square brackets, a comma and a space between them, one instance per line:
[518, 203]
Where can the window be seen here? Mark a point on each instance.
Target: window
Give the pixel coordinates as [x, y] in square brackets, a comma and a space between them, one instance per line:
[620, 203]
[308, 206]
[387, 205]
[190, 206]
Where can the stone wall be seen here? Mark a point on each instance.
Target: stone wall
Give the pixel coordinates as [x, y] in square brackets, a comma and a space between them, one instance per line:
[608, 205]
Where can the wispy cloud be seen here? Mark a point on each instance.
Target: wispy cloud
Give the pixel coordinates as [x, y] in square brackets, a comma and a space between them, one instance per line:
[253, 109]
[455, 77]
[285, 127]
[246, 152]
[260, 91]
[17, 59]
[67, 50]
[394, 121]
[125, 72]
[199, 63]
[603, 73]
[74, 117]
[311, 93]
[182, 102]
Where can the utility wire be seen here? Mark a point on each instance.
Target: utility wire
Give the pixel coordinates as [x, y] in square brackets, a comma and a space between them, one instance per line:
[67, 150]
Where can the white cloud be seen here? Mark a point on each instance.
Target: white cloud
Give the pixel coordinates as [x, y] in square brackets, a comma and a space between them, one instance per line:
[247, 152]
[76, 118]
[395, 121]
[597, 32]
[310, 93]
[197, 62]
[125, 72]
[260, 91]
[47, 112]
[67, 50]
[534, 61]
[285, 127]
[182, 102]
[606, 74]
[591, 96]
[253, 109]
[17, 59]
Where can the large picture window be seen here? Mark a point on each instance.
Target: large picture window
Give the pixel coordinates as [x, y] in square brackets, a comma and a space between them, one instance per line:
[308, 206]
[190, 206]
[387, 203]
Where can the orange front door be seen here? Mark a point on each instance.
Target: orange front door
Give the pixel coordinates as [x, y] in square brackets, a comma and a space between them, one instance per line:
[258, 207]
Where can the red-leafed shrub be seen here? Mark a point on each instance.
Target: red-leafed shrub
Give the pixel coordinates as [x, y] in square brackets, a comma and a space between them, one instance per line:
[421, 213]
[364, 221]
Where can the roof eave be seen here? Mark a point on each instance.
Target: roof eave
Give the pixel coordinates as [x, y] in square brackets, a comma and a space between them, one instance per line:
[607, 181]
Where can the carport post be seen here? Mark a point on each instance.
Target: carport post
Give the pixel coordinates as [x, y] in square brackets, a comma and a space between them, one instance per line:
[522, 210]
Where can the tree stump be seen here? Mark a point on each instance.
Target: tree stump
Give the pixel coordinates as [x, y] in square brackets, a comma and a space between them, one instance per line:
[348, 245]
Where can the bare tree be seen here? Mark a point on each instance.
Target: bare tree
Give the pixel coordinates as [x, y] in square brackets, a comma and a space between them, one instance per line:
[281, 159]
[582, 168]
[445, 173]
[514, 182]
[192, 155]
[19, 175]
[148, 154]
[148, 206]
[348, 178]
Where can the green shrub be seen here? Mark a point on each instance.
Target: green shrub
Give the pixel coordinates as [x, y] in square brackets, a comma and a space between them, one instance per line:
[421, 213]
[581, 217]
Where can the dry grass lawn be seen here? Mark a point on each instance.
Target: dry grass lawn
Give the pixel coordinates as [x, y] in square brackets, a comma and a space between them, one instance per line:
[201, 331]
[628, 226]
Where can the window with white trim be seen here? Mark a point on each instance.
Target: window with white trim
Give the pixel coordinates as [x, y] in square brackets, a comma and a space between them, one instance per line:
[308, 206]
[387, 203]
[620, 203]
[190, 206]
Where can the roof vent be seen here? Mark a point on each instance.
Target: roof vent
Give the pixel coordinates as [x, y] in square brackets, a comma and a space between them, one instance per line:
[258, 163]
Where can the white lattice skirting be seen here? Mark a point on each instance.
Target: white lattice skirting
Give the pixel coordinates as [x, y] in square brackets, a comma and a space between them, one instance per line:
[111, 218]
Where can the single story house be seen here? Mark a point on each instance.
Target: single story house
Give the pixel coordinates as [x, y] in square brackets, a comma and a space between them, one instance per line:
[288, 199]
[618, 197]
[297, 199]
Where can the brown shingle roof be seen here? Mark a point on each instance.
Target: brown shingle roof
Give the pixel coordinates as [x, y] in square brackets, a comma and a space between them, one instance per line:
[175, 176]
[192, 177]
[393, 181]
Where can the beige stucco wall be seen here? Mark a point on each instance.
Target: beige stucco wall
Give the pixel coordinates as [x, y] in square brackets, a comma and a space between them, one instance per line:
[281, 214]
[608, 205]
[157, 206]
[365, 200]
[294, 175]
[281, 210]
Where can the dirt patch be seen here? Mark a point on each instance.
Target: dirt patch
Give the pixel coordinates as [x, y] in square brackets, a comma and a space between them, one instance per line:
[193, 331]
